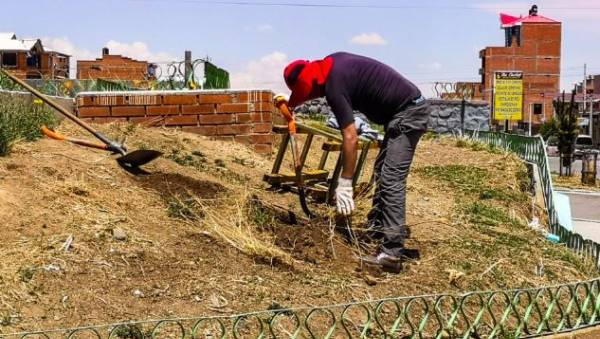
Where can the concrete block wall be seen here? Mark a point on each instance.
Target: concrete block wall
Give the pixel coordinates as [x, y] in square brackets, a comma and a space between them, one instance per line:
[446, 116]
[242, 116]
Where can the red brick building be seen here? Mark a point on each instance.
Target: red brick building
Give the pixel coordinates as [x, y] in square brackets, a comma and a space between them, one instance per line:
[115, 67]
[28, 59]
[532, 46]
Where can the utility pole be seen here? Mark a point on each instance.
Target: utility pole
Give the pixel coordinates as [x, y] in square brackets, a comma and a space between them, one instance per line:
[188, 68]
[584, 91]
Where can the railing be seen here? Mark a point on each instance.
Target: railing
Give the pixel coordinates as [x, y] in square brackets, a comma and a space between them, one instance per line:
[522, 313]
[533, 149]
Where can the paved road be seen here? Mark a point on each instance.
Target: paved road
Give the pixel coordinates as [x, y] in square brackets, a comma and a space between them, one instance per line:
[575, 168]
[585, 210]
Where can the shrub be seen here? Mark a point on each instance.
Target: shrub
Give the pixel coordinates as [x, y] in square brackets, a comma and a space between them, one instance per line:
[21, 119]
[549, 128]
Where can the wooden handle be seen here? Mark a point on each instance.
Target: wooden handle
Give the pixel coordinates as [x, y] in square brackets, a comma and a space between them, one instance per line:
[57, 136]
[287, 114]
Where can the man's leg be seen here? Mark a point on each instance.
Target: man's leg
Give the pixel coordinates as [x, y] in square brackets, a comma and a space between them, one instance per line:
[374, 216]
[392, 189]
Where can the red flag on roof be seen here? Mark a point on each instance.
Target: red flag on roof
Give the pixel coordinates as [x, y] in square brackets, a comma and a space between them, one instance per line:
[507, 20]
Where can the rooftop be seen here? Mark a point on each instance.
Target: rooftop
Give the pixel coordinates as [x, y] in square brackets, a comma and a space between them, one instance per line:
[508, 20]
[9, 42]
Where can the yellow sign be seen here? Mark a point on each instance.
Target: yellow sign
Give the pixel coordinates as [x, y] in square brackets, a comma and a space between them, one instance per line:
[508, 96]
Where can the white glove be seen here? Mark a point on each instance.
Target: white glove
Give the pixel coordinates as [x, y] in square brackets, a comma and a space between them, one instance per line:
[281, 97]
[343, 196]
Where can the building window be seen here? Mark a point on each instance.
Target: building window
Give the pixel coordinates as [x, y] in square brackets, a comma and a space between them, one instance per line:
[9, 59]
[512, 32]
[33, 60]
[538, 109]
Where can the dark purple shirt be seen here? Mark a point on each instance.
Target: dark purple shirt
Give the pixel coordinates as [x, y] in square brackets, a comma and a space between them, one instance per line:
[366, 85]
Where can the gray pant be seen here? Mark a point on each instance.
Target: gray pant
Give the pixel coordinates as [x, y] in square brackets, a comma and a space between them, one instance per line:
[387, 218]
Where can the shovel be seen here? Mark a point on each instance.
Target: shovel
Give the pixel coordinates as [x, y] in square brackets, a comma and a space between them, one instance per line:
[281, 104]
[130, 162]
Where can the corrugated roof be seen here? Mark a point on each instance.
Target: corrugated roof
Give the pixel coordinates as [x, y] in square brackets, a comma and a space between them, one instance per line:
[18, 45]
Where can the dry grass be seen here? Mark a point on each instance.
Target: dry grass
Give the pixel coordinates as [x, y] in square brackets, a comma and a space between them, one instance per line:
[574, 182]
[231, 220]
[195, 235]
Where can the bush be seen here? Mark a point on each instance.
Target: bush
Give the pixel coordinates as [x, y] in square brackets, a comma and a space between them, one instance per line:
[549, 129]
[21, 119]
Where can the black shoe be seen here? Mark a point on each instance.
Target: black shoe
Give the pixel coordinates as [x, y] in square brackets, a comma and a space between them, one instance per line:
[410, 254]
[386, 262]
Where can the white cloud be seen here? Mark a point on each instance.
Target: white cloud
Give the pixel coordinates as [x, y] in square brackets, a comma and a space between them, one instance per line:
[373, 39]
[139, 50]
[135, 50]
[264, 73]
[64, 45]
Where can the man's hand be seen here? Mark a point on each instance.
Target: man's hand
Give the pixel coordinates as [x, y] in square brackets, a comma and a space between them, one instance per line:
[343, 196]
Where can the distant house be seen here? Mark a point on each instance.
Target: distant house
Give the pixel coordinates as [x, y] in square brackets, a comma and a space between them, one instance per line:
[28, 59]
[115, 67]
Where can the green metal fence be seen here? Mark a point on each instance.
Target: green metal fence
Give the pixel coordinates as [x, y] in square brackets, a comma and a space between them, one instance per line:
[533, 149]
[519, 313]
[522, 313]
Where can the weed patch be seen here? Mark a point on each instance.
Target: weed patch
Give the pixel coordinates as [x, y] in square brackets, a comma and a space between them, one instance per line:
[471, 180]
[183, 206]
[194, 159]
[477, 146]
[480, 213]
[465, 178]
[21, 119]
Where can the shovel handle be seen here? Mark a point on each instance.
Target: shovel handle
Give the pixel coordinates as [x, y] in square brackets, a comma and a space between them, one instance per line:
[57, 136]
[51, 134]
[287, 114]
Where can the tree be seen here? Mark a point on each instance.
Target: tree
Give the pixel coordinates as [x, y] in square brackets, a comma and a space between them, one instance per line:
[549, 128]
[566, 129]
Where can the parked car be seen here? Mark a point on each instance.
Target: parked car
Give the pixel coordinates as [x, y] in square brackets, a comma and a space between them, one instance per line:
[552, 146]
[582, 143]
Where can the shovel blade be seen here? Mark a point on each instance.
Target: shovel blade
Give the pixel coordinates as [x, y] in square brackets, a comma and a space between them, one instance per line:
[133, 160]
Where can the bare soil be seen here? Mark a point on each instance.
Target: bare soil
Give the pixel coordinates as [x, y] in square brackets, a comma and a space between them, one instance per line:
[177, 260]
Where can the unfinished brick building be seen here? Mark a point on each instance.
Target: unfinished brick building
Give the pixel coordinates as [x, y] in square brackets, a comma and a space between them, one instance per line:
[28, 59]
[532, 46]
[115, 67]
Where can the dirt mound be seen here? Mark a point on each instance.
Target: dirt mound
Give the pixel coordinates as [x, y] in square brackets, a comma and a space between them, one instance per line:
[83, 242]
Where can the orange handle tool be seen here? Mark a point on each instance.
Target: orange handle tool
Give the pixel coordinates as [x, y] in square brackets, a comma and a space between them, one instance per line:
[57, 136]
[287, 114]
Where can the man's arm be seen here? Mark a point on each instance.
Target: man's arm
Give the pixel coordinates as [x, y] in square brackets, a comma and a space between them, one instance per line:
[349, 150]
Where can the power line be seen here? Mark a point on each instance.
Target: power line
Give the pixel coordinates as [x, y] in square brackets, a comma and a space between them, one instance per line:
[351, 6]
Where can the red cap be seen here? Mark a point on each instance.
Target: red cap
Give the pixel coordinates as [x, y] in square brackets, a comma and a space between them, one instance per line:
[300, 75]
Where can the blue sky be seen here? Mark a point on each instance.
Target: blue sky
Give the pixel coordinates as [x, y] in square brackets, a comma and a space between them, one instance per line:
[425, 40]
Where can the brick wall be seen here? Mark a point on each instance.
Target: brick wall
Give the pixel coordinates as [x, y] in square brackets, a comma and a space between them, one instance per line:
[538, 57]
[112, 67]
[242, 116]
